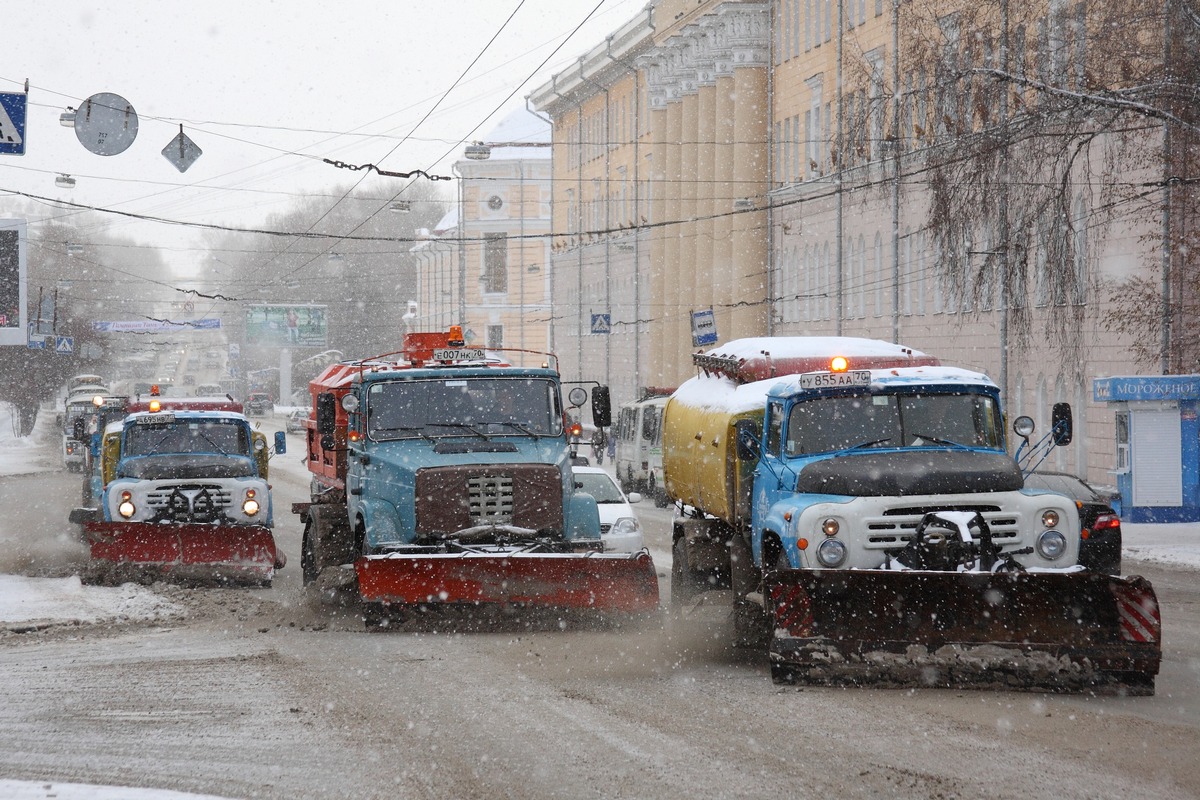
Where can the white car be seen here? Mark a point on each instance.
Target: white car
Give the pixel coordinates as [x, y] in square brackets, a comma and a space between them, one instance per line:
[619, 526]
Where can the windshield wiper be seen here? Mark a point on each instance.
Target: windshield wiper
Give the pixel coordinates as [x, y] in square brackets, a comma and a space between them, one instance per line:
[937, 440]
[517, 426]
[408, 429]
[870, 443]
[463, 425]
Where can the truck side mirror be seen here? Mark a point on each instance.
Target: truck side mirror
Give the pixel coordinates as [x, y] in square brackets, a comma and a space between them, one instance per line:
[747, 434]
[280, 443]
[601, 407]
[326, 413]
[1062, 424]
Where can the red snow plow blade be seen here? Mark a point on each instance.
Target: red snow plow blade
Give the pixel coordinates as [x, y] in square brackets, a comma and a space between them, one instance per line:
[590, 581]
[234, 551]
[1076, 631]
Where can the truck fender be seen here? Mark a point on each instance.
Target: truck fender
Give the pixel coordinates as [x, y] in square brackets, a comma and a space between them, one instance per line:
[379, 518]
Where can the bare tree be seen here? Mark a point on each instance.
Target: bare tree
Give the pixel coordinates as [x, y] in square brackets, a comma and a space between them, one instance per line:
[1035, 126]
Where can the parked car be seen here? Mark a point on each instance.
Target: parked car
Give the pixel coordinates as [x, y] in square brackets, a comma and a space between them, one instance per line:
[1100, 534]
[259, 403]
[619, 526]
[295, 420]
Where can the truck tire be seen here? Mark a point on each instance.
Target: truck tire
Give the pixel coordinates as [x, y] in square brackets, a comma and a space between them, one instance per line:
[685, 584]
[308, 564]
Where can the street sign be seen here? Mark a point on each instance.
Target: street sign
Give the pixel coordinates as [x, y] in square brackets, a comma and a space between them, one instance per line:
[182, 151]
[106, 124]
[12, 123]
[37, 343]
[704, 328]
[64, 344]
[601, 323]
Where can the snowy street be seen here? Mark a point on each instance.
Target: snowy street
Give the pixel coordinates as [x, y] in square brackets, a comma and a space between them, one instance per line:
[246, 693]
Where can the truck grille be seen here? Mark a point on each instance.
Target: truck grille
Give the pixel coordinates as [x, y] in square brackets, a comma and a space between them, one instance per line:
[453, 498]
[189, 502]
[897, 525]
[490, 499]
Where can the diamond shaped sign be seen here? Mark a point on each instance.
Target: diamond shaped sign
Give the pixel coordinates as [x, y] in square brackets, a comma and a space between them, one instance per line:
[182, 151]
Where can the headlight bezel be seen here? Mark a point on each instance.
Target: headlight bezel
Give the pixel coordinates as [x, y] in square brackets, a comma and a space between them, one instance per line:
[832, 553]
[1051, 545]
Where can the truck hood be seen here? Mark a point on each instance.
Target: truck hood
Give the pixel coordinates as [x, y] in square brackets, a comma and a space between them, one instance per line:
[911, 472]
[186, 467]
[414, 454]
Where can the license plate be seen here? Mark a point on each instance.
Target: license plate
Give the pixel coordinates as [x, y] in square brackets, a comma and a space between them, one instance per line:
[156, 419]
[833, 380]
[458, 354]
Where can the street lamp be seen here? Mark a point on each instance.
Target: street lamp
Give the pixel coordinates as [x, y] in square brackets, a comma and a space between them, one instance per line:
[64, 181]
[67, 118]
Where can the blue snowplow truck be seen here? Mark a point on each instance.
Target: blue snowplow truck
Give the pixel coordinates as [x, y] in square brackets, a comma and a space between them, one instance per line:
[858, 503]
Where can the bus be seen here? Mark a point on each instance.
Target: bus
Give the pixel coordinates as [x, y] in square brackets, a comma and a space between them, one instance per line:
[639, 446]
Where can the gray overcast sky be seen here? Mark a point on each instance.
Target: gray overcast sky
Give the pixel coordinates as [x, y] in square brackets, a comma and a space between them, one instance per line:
[237, 74]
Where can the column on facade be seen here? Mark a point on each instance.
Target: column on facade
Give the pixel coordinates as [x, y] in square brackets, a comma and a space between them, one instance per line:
[656, 304]
[686, 276]
[725, 283]
[706, 97]
[668, 305]
[750, 159]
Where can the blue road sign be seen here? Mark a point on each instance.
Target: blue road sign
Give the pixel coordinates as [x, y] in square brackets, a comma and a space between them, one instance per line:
[601, 323]
[64, 344]
[12, 123]
[704, 328]
[37, 343]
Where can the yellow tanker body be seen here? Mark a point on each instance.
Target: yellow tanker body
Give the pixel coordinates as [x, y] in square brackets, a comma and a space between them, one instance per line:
[700, 464]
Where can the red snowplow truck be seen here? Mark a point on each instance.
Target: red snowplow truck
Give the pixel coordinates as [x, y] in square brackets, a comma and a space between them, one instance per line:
[184, 493]
[442, 475]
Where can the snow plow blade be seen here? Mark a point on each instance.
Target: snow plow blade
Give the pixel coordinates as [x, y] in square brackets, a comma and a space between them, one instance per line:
[588, 581]
[242, 552]
[1074, 631]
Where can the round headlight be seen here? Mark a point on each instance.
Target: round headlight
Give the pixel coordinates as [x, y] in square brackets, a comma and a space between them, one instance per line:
[1050, 518]
[250, 506]
[126, 509]
[1051, 545]
[830, 527]
[832, 553]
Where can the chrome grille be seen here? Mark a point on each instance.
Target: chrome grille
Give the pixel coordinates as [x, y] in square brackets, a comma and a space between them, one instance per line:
[896, 526]
[490, 499]
[189, 502]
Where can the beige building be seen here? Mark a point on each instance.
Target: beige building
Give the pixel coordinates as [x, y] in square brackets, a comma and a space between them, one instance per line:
[780, 163]
[486, 265]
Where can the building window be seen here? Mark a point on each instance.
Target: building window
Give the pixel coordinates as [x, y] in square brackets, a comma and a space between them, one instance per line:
[495, 263]
[495, 336]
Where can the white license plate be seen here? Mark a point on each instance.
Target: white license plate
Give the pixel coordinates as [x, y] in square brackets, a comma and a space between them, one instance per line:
[832, 380]
[156, 419]
[458, 354]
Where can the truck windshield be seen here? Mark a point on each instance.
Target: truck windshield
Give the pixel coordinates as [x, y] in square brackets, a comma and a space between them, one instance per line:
[225, 437]
[830, 424]
[441, 407]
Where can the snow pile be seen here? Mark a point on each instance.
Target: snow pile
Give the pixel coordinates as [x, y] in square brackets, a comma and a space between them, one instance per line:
[1170, 544]
[40, 602]
[43, 790]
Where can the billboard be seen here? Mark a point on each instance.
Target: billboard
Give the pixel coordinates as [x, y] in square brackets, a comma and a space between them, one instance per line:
[14, 300]
[280, 325]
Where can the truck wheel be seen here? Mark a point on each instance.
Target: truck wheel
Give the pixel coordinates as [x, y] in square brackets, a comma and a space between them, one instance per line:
[684, 584]
[308, 562]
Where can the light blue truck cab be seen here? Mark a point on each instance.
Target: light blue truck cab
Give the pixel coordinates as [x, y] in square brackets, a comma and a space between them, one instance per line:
[437, 450]
[180, 466]
[850, 463]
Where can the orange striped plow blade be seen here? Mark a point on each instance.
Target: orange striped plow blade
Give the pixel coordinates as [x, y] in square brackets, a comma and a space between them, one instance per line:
[246, 551]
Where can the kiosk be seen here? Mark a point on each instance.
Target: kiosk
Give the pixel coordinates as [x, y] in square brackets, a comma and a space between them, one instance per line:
[1158, 445]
